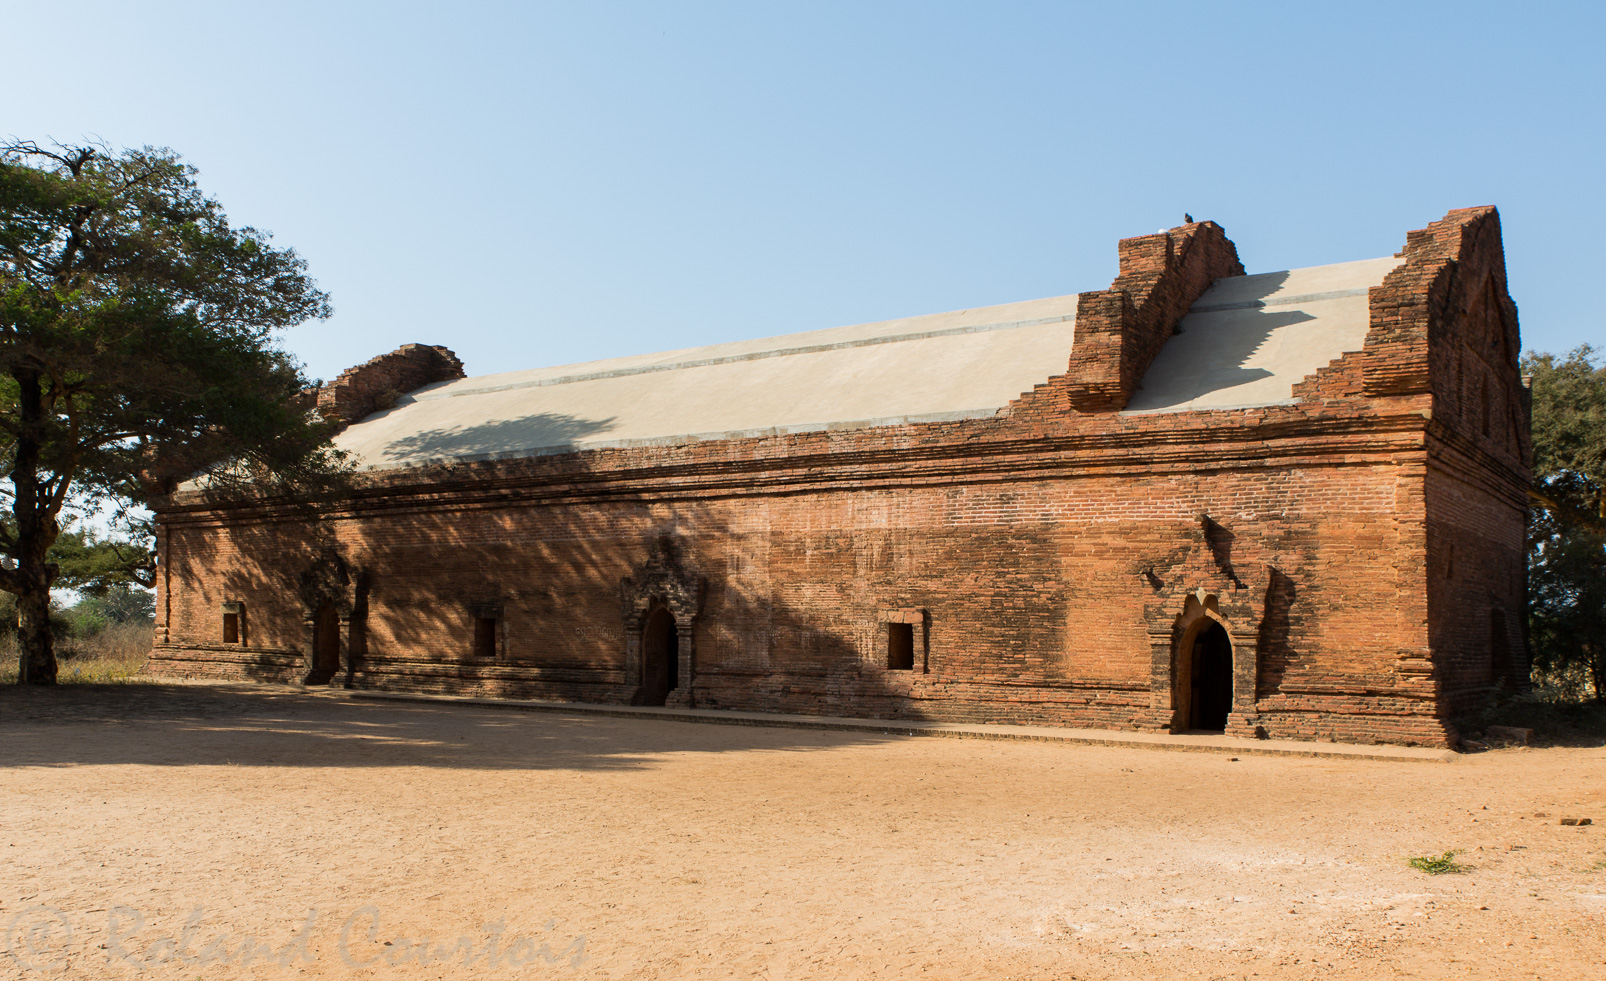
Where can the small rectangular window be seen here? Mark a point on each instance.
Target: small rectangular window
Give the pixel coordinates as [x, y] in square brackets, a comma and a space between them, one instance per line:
[900, 647]
[484, 636]
[234, 622]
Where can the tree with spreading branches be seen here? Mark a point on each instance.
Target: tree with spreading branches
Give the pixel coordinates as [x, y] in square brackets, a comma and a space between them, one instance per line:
[138, 351]
[1567, 525]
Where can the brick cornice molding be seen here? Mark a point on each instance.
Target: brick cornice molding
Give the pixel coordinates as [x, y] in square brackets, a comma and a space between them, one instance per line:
[622, 474]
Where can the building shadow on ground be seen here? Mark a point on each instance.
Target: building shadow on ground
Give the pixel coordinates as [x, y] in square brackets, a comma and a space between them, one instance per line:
[281, 726]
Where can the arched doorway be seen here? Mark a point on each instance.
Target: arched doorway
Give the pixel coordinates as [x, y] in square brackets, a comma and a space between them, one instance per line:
[660, 657]
[326, 645]
[1210, 678]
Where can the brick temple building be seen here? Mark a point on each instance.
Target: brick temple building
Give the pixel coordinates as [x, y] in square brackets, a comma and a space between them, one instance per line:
[1286, 504]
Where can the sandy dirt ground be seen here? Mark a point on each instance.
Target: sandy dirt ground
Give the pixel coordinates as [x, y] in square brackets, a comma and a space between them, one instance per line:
[204, 832]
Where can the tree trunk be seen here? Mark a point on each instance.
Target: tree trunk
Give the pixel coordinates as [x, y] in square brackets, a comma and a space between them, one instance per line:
[35, 510]
[36, 658]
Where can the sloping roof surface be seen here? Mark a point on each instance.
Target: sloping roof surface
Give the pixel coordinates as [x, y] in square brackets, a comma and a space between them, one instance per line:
[1247, 341]
[955, 365]
[1250, 339]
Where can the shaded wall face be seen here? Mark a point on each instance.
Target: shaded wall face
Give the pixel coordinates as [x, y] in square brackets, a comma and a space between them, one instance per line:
[1475, 487]
[1477, 575]
[1474, 365]
[1031, 598]
[253, 568]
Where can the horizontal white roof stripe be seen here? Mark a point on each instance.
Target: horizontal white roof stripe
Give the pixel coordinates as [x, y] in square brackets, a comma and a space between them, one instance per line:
[975, 316]
[455, 390]
[1277, 301]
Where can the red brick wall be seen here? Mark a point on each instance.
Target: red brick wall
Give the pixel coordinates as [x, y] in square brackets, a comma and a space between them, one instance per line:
[1034, 588]
[1475, 549]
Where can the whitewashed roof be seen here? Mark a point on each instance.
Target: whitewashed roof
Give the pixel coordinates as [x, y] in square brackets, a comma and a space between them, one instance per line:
[1247, 341]
[958, 365]
[1250, 339]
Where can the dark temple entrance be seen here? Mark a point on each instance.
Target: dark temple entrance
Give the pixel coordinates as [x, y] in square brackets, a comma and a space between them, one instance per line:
[660, 657]
[1211, 679]
[326, 645]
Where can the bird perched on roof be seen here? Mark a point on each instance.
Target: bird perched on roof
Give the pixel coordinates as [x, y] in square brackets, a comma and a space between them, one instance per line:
[1187, 219]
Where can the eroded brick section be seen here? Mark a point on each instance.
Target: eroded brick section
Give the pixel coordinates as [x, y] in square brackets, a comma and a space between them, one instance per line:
[376, 384]
[1121, 329]
[1362, 549]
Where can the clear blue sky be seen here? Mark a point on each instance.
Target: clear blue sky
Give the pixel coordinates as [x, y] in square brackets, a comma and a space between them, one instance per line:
[535, 184]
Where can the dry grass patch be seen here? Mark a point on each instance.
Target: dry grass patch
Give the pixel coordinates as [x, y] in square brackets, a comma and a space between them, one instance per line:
[1439, 864]
[114, 656]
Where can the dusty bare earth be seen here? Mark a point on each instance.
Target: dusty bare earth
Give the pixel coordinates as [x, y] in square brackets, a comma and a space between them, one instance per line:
[170, 831]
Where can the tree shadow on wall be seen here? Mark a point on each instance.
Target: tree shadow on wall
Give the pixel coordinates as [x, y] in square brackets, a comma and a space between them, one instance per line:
[555, 575]
[805, 636]
[1220, 541]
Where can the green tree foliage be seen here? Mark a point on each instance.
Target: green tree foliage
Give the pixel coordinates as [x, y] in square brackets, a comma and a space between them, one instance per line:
[137, 351]
[1567, 532]
[93, 564]
[121, 603]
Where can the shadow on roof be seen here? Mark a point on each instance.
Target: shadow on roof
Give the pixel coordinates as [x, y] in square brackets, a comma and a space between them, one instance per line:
[542, 431]
[1208, 355]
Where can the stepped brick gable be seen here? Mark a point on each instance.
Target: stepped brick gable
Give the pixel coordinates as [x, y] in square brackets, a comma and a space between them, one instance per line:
[1121, 329]
[1285, 504]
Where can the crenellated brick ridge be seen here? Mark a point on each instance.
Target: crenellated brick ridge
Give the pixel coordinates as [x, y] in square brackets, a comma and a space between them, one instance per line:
[1121, 329]
[377, 383]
